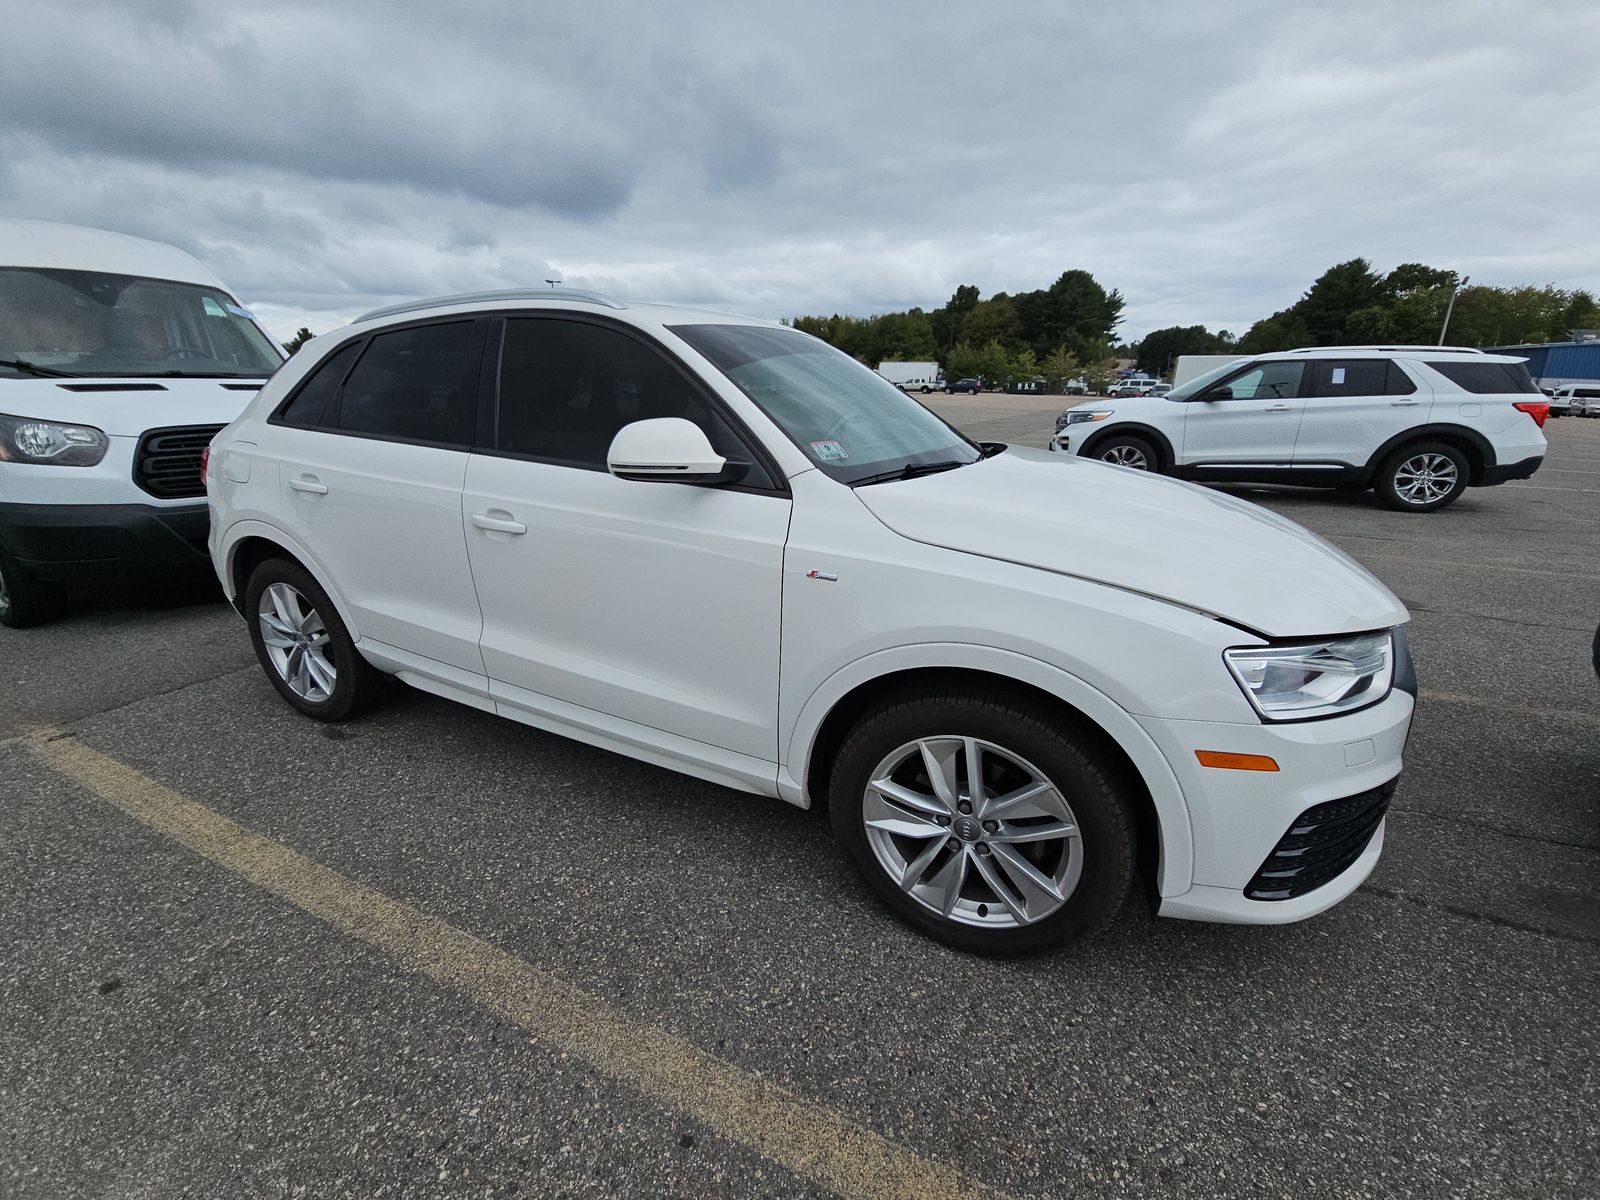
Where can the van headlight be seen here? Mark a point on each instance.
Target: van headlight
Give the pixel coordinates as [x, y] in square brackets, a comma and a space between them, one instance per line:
[25, 440]
[1315, 679]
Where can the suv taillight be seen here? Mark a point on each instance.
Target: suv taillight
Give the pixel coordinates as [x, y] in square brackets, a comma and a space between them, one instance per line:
[1537, 409]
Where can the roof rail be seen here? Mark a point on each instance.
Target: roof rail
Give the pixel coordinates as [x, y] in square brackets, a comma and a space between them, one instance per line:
[572, 294]
[1389, 349]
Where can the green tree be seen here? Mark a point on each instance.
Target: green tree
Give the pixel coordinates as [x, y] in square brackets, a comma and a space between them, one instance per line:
[993, 320]
[301, 337]
[1338, 292]
[948, 321]
[1073, 312]
[1059, 366]
[1161, 347]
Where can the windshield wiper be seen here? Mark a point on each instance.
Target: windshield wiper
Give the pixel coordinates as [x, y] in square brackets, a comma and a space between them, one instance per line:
[909, 471]
[18, 364]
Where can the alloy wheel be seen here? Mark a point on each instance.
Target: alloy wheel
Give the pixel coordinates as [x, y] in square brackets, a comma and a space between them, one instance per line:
[973, 832]
[1127, 455]
[1425, 478]
[297, 642]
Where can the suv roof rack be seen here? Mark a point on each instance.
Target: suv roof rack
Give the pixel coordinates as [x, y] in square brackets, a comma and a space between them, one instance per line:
[574, 294]
[1389, 349]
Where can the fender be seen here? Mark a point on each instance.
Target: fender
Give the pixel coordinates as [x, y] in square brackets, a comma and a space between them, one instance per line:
[252, 527]
[1150, 433]
[1176, 867]
[1461, 432]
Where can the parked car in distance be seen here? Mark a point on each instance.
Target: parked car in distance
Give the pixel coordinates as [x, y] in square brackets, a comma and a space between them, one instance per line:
[1160, 389]
[120, 358]
[722, 546]
[970, 386]
[1418, 424]
[1578, 399]
[1560, 400]
[1137, 386]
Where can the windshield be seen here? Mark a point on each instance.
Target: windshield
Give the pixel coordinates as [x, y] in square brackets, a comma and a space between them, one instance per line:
[1200, 382]
[90, 323]
[850, 421]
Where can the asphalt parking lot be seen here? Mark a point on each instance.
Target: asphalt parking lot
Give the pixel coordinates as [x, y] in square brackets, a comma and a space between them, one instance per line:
[437, 953]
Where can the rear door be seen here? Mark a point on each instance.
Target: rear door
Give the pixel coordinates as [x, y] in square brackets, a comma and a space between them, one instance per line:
[1250, 418]
[1353, 406]
[372, 454]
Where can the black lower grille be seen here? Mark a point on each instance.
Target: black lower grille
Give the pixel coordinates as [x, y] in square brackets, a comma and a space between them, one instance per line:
[167, 463]
[1320, 845]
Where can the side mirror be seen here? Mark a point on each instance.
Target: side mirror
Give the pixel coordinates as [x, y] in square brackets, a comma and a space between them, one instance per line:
[1216, 393]
[668, 448]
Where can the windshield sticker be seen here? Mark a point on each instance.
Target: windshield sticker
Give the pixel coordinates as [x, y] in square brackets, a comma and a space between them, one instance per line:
[829, 451]
[241, 312]
[213, 309]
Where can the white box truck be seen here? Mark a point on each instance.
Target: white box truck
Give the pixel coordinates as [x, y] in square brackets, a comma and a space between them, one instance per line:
[1189, 366]
[913, 376]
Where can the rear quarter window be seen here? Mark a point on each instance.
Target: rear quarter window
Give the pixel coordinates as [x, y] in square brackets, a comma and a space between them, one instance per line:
[1487, 378]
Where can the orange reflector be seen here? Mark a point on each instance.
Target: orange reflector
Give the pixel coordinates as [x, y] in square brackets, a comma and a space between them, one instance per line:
[1235, 762]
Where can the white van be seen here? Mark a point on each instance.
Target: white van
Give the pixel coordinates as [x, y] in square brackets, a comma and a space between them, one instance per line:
[1577, 399]
[120, 359]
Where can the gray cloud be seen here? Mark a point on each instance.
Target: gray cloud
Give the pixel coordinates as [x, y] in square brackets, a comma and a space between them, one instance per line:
[1206, 160]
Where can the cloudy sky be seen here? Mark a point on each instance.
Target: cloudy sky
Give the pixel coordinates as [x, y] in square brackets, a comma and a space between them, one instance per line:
[1207, 159]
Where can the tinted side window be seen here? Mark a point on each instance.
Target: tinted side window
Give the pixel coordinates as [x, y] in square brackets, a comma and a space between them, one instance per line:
[1268, 381]
[1486, 378]
[310, 403]
[566, 387]
[1351, 377]
[413, 384]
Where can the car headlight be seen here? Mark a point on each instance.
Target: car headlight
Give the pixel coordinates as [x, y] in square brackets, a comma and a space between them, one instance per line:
[25, 440]
[1077, 416]
[1315, 679]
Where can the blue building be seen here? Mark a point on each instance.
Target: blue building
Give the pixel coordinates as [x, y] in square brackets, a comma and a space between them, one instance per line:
[1554, 363]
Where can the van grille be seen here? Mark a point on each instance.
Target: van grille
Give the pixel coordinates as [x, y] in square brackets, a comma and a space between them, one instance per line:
[167, 463]
[1320, 845]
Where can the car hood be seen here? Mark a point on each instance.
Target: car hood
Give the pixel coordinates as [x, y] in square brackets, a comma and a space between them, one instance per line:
[128, 409]
[1144, 533]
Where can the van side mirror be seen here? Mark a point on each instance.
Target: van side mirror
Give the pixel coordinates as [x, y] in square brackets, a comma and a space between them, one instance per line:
[668, 449]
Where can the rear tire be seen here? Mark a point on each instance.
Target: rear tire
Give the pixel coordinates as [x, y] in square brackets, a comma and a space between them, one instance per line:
[1127, 450]
[304, 646]
[24, 599]
[1422, 477]
[1014, 883]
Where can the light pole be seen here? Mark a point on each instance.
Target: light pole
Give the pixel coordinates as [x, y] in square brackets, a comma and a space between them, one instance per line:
[1451, 307]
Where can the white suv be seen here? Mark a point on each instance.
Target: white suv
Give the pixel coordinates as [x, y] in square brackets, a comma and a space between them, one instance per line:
[1416, 423]
[721, 546]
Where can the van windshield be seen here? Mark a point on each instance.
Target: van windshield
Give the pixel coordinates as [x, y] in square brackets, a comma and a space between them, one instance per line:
[91, 323]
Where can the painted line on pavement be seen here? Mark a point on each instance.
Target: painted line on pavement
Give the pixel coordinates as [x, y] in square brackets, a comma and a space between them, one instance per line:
[1568, 716]
[808, 1138]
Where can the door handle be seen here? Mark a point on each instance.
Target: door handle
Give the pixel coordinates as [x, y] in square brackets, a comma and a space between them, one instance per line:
[497, 524]
[1277, 408]
[1404, 403]
[308, 485]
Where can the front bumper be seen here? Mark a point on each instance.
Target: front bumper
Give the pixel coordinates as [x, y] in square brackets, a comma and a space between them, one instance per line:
[1507, 471]
[1238, 818]
[70, 543]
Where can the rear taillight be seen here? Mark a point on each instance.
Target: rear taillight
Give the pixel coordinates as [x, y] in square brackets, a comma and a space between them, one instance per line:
[1537, 409]
[205, 460]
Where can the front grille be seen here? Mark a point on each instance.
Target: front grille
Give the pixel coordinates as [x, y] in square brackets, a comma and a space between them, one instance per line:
[1320, 845]
[167, 463]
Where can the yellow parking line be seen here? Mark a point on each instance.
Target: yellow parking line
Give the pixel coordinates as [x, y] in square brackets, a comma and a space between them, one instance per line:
[809, 1139]
[1568, 716]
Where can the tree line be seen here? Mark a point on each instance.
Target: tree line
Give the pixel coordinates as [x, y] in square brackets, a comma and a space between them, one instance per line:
[1068, 329]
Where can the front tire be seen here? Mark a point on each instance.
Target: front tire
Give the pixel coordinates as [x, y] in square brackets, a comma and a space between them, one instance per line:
[304, 646]
[25, 600]
[1033, 849]
[1422, 477]
[1128, 450]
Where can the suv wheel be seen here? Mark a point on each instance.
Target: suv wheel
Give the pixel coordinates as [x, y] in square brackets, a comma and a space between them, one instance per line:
[1127, 450]
[24, 600]
[1422, 477]
[981, 821]
[304, 646]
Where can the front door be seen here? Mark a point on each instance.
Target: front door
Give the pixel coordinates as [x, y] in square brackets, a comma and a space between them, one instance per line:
[1249, 419]
[656, 602]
